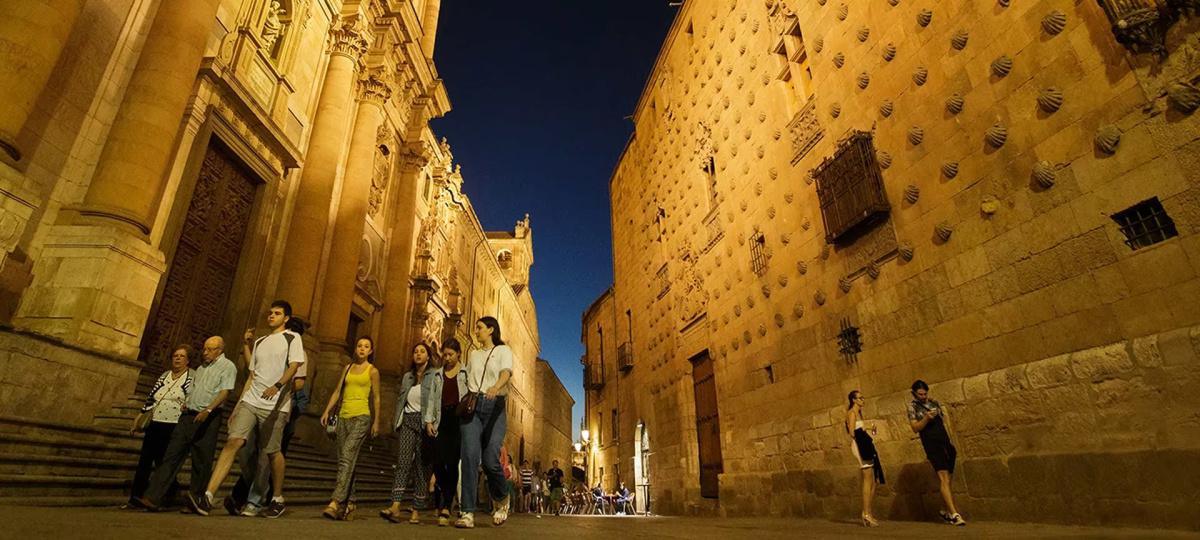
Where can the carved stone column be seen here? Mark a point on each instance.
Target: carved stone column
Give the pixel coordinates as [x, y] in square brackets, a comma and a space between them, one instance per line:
[342, 270]
[32, 35]
[310, 218]
[96, 278]
[392, 346]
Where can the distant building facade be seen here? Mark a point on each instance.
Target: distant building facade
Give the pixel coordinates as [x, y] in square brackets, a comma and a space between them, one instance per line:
[999, 199]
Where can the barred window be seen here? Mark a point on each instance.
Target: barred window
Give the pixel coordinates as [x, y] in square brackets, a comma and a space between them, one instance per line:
[758, 253]
[1145, 223]
[663, 280]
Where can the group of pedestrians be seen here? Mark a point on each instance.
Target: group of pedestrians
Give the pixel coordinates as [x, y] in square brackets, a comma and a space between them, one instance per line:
[926, 418]
[449, 412]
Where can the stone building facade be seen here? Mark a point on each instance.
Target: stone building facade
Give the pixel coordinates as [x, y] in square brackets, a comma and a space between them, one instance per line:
[169, 168]
[996, 197]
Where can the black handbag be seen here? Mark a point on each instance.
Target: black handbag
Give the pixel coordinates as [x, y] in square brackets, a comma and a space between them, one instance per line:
[331, 423]
[466, 405]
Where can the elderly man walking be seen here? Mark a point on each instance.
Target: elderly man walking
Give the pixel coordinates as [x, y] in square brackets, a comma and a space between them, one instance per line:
[196, 433]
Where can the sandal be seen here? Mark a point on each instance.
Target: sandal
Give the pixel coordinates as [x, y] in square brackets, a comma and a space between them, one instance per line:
[414, 518]
[348, 512]
[388, 515]
[331, 511]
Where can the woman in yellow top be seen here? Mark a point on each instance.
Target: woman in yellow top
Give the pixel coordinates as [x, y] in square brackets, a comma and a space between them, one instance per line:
[360, 381]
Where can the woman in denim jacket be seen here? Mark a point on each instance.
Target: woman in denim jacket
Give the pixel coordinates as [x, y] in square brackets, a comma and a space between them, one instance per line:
[418, 411]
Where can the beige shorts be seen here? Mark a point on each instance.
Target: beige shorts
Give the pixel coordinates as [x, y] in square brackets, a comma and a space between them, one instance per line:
[269, 423]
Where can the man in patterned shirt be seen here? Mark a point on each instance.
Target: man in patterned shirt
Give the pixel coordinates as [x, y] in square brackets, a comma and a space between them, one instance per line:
[926, 417]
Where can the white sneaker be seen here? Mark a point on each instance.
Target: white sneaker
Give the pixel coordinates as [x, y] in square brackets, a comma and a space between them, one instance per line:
[250, 510]
[957, 520]
[466, 520]
[501, 513]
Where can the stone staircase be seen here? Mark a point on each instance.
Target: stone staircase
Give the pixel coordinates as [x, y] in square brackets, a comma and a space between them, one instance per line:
[54, 464]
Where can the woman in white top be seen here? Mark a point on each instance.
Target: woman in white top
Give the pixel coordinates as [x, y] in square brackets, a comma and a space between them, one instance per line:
[488, 372]
[163, 407]
[863, 448]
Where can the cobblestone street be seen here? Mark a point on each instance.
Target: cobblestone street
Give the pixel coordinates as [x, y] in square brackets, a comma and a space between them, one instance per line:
[305, 523]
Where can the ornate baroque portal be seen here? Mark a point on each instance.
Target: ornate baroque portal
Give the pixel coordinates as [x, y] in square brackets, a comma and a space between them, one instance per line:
[202, 270]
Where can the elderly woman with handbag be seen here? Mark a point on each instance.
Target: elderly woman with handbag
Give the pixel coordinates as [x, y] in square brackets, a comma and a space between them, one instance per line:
[157, 419]
[351, 422]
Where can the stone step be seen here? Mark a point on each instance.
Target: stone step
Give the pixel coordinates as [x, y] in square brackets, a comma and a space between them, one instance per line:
[30, 486]
[114, 501]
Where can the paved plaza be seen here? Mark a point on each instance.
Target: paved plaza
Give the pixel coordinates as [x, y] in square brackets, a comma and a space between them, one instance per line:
[305, 523]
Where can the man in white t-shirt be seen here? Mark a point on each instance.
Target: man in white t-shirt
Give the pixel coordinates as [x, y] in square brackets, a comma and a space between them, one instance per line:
[265, 405]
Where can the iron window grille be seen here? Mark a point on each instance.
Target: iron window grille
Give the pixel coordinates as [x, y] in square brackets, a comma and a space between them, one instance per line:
[1145, 224]
[758, 253]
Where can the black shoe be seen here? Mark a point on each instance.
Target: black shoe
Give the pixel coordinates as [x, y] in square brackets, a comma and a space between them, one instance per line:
[202, 506]
[231, 506]
[274, 510]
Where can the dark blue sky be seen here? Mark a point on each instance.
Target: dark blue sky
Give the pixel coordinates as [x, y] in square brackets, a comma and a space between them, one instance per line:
[539, 90]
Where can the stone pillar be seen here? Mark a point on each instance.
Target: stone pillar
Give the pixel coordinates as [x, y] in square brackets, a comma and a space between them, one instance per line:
[396, 314]
[310, 218]
[32, 35]
[96, 278]
[132, 171]
[341, 272]
[429, 25]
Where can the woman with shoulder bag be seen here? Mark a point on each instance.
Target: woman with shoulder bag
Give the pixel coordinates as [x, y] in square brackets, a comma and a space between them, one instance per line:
[448, 443]
[158, 418]
[418, 406]
[353, 420]
[488, 372]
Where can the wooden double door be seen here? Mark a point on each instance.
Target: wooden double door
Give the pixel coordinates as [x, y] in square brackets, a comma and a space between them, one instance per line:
[193, 302]
[708, 425]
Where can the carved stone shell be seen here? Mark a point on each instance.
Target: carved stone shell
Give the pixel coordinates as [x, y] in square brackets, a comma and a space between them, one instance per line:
[886, 108]
[924, 18]
[959, 41]
[920, 75]
[915, 135]
[773, 173]
[1044, 174]
[1050, 99]
[818, 44]
[1002, 66]
[806, 224]
[779, 320]
[954, 103]
[996, 135]
[802, 267]
[884, 158]
[873, 270]
[798, 310]
[950, 169]
[844, 284]
[1183, 96]
[989, 205]
[1107, 139]
[766, 291]
[894, 3]
[819, 297]
[843, 11]
[1054, 22]
[944, 230]
[783, 280]
[889, 52]
[864, 80]
[1004, 3]
[838, 60]
[905, 250]
[912, 193]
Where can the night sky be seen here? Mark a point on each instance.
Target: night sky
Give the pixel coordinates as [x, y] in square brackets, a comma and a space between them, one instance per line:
[540, 90]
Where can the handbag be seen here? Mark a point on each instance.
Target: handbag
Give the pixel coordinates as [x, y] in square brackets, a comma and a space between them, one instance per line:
[144, 419]
[331, 423]
[466, 405]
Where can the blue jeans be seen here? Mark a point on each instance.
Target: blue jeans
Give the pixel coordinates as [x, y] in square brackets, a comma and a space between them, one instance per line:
[477, 446]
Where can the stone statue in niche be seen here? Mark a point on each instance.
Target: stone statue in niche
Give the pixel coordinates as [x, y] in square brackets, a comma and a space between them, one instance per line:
[272, 27]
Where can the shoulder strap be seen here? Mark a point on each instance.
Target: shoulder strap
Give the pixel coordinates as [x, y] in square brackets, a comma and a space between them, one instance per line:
[483, 374]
